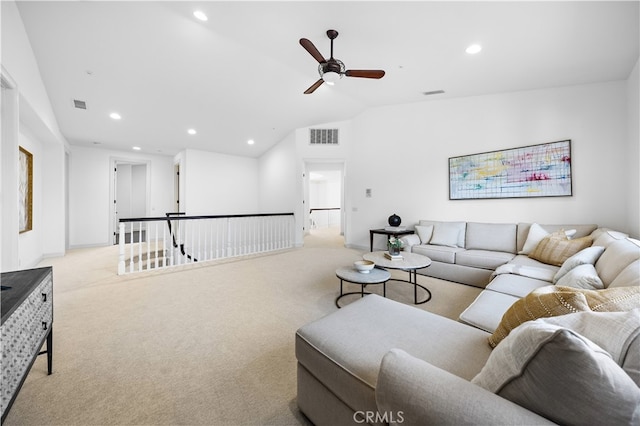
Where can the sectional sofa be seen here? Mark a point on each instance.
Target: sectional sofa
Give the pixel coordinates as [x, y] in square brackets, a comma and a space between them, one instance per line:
[566, 337]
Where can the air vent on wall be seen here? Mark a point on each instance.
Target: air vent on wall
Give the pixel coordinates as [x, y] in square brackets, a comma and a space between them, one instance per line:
[323, 136]
[79, 104]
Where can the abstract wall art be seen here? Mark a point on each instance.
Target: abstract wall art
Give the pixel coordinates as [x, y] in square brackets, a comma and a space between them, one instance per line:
[542, 170]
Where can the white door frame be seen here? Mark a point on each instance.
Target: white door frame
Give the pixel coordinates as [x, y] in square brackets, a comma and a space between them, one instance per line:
[113, 164]
[338, 165]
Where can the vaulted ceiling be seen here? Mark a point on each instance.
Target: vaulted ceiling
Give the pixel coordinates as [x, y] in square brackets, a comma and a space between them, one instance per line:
[241, 74]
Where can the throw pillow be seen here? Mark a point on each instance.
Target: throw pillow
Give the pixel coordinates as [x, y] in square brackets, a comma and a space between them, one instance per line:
[612, 331]
[561, 375]
[408, 241]
[582, 276]
[535, 235]
[555, 248]
[424, 233]
[590, 255]
[542, 302]
[445, 234]
[550, 301]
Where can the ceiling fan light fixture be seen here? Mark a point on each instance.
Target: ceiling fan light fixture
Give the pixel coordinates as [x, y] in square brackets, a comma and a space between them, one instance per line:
[331, 77]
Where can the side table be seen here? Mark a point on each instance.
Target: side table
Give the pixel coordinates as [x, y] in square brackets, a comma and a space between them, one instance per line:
[350, 274]
[410, 262]
[386, 232]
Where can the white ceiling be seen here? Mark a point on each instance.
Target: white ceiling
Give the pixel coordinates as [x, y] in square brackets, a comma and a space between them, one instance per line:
[241, 75]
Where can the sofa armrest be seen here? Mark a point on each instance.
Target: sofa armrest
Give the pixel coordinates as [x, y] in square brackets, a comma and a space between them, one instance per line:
[413, 391]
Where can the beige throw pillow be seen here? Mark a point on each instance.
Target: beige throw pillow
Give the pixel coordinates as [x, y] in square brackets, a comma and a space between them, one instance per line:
[550, 301]
[555, 248]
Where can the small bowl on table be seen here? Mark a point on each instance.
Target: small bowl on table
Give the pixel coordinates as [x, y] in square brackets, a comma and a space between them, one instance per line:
[364, 266]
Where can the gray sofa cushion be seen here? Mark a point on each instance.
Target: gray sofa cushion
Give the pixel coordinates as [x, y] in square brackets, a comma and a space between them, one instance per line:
[345, 348]
[561, 375]
[629, 277]
[438, 253]
[525, 260]
[484, 259]
[617, 256]
[491, 236]
[487, 310]
[460, 226]
[414, 392]
[515, 285]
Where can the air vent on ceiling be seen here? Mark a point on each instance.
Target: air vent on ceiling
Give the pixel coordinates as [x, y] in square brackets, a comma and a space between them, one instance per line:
[433, 92]
[323, 136]
[79, 104]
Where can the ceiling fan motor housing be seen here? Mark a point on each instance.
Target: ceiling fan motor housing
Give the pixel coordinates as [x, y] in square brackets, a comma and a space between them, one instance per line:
[332, 65]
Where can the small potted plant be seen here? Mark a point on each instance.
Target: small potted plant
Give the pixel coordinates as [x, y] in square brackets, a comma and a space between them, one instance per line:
[394, 246]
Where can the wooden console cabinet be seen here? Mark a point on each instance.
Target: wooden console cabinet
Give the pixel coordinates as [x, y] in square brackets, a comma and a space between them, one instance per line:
[27, 321]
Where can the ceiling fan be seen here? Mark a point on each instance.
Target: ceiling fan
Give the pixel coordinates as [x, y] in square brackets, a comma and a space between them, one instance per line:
[331, 70]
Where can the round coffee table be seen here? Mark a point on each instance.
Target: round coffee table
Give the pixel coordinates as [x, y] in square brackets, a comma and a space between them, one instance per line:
[410, 262]
[350, 274]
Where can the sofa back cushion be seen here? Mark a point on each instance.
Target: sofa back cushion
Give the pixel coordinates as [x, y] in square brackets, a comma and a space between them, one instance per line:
[561, 374]
[450, 234]
[491, 236]
[629, 277]
[605, 236]
[616, 257]
[523, 231]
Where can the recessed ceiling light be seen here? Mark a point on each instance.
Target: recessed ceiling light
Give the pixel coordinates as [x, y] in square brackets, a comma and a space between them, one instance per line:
[115, 116]
[136, 148]
[251, 142]
[473, 49]
[192, 131]
[200, 15]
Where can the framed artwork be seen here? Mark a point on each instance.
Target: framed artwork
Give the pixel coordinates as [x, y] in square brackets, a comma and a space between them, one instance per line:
[25, 190]
[542, 170]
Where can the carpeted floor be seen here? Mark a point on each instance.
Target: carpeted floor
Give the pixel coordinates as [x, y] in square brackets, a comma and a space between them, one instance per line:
[203, 344]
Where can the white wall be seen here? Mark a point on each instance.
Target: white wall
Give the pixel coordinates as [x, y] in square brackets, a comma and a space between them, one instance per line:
[633, 159]
[39, 130]
[219, 184]
[91, 191]
[281, 183]
[278, 171]
[402, 155]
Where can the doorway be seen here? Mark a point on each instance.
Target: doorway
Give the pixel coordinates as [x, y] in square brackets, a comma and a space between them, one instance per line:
[324, 214]
[130, 196]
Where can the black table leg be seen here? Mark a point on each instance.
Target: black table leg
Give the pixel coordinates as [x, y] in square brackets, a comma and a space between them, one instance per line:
[50, 351]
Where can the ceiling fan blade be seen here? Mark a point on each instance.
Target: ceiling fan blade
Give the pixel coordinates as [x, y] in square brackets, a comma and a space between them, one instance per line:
[309, 47]
[365, 73]
[313, 87]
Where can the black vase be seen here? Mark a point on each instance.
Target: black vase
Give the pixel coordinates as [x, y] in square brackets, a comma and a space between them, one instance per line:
[394, 220]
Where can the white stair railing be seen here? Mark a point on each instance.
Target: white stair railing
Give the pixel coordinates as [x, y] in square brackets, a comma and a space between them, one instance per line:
[324, 217]
[163, 242]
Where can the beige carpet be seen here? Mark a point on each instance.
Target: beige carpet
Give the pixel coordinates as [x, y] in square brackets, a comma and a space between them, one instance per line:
[204, 344]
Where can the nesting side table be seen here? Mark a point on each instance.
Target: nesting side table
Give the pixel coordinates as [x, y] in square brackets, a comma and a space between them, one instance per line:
[350, 274]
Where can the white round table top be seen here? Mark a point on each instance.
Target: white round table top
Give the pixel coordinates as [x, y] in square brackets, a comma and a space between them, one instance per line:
[408, 261]
[375, 276]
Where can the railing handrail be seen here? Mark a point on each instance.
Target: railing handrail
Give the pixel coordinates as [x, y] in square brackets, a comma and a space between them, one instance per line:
[223, 216]
[324, 208]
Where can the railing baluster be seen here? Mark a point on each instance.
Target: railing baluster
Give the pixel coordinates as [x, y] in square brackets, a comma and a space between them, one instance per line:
[121, 256]
[190, 239]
